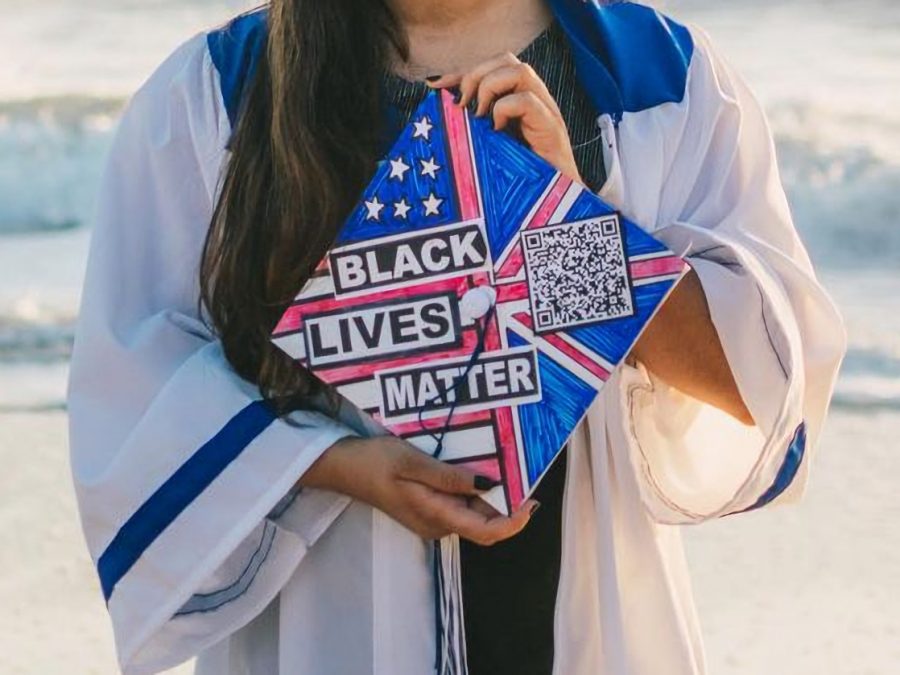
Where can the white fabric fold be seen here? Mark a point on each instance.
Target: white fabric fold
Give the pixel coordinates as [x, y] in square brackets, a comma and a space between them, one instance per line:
[177, 463]
[722, 206]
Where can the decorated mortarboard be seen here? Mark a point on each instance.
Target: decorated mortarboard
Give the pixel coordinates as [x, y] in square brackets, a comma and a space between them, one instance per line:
[476, 300]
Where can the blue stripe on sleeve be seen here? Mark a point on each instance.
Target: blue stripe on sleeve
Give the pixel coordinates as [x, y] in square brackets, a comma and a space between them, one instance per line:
[786, 473]
[176, 494]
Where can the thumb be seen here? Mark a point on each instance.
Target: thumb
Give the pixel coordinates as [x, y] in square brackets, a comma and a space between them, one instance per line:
[446, 477]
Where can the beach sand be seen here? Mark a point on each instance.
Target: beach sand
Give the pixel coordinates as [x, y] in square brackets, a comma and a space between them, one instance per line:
[798, 590]
[52, 621]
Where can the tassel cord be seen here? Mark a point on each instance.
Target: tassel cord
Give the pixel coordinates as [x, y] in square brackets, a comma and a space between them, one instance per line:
[481, 326]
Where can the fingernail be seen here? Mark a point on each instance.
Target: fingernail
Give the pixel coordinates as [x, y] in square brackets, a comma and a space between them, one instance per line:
[485, 483]
[534, 508]
[433, 78]
[457, 96]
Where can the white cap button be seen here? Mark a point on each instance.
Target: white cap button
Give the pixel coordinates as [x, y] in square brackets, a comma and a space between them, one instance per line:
[477, 302]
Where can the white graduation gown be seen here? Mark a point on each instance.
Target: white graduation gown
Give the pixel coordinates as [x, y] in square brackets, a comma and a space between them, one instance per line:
[184, 481]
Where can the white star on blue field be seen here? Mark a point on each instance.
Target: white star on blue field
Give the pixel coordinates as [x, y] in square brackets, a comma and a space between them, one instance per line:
[413, 185]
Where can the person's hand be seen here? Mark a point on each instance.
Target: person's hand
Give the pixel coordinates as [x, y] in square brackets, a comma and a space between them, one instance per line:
[430, 497]
[517, 99]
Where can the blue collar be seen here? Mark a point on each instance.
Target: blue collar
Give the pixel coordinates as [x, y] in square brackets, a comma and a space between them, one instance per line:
[628, 57]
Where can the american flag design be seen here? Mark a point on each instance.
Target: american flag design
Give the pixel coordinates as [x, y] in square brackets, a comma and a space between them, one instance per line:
[391, 320]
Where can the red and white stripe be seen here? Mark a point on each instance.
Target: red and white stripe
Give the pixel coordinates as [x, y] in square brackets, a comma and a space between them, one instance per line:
[552, 208]
[566, 351]
[651, 268]
[462, 157]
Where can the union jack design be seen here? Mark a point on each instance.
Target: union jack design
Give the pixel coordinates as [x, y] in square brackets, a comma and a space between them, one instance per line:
[453, 207]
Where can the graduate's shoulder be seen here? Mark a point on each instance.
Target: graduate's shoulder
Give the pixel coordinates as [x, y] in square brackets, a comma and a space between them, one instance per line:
[181, 68]
[228, 51]
[182, 97]
[646, 54]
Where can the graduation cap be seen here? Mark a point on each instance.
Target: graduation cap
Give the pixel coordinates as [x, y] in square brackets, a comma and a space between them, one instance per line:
[476, 300]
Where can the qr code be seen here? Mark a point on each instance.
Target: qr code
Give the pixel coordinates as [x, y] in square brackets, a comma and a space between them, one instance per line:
[577, 273]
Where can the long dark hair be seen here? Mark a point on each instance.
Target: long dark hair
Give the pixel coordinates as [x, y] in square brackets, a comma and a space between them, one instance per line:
[306, 143]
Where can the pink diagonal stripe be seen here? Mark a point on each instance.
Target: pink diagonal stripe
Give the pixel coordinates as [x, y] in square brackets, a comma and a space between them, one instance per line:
[513, 262]
[541, 217]
[551, 201]
[461, 157]
[656, 267]
[576, 355]
[510, 292]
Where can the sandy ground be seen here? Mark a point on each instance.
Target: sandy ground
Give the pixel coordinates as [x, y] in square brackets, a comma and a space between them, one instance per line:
[811, 588]
[52, 617]
[804, 590]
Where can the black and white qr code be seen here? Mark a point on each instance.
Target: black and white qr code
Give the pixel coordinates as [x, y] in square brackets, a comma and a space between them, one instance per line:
[577, 273]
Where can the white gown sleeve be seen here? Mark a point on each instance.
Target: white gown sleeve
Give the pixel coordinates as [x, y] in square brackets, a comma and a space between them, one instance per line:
[183, 475]
[724, 207]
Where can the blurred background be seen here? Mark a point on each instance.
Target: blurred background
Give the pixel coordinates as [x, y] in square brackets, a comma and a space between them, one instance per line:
[808, 589]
